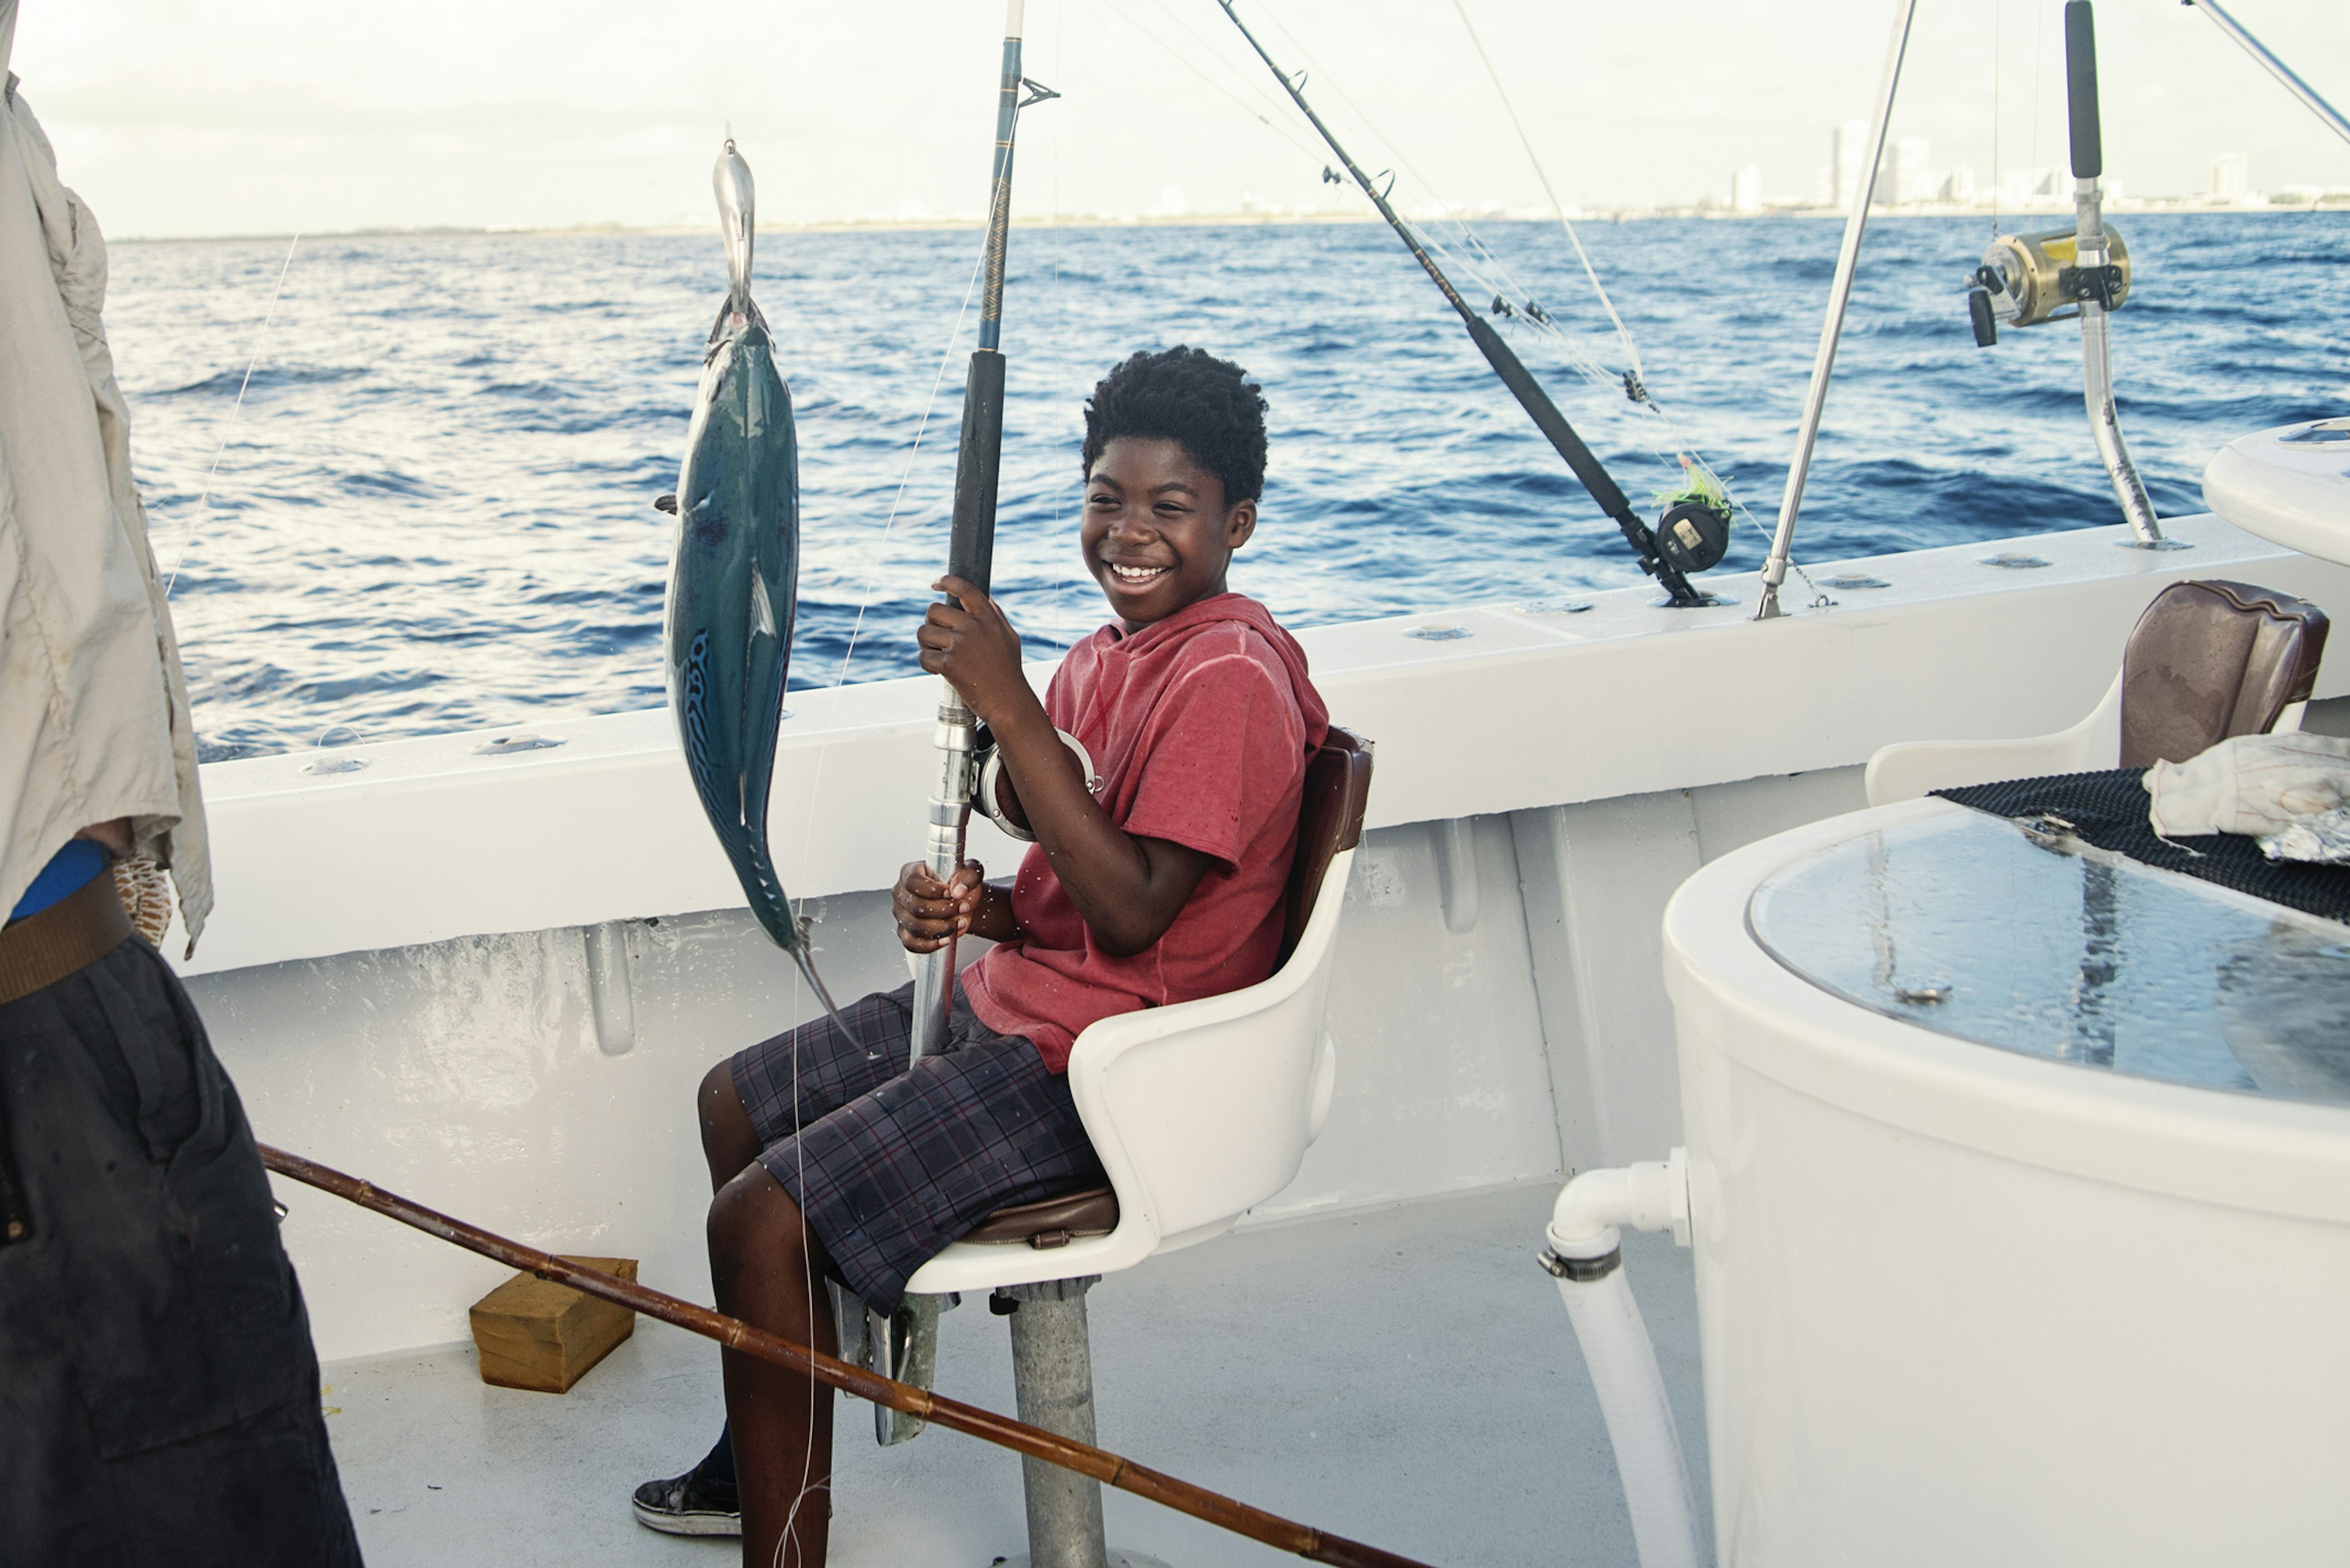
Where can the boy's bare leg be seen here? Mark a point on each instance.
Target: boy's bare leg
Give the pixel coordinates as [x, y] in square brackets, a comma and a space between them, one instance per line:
[727, 1141]
[768, 1268]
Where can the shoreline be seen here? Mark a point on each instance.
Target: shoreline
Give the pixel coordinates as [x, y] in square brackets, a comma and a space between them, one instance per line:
[2052, 210]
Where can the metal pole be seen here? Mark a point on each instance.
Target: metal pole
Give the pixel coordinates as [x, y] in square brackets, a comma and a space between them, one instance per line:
[971, 553]
[2276, 67]
[1052, 1379]
[1799, 468]
[2090, 255]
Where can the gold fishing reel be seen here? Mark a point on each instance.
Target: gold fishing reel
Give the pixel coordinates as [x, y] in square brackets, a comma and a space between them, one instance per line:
[2026, 279]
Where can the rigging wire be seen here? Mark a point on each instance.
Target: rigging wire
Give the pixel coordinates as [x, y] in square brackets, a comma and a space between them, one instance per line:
[1631, 351]
[1285, 132]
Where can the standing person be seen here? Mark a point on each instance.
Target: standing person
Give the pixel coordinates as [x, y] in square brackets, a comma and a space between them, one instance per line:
[1159, 883]
[158, 1392]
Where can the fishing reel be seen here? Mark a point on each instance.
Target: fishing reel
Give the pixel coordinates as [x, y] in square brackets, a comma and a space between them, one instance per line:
[2026, 279]
[993, 794]
[1694, 536]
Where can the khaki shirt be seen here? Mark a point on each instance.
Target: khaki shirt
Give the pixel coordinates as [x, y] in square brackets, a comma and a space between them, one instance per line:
[93, 710]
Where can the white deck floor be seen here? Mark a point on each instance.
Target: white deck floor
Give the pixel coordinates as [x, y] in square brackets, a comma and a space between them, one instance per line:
[1406, 1377]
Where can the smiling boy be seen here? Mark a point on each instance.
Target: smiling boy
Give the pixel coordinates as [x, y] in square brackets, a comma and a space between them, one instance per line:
[1160, 884]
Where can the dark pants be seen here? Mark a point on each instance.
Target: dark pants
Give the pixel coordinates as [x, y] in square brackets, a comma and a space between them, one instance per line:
[159, 1393]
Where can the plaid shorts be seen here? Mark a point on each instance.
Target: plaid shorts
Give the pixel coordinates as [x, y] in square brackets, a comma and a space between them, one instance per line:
[888, 1165]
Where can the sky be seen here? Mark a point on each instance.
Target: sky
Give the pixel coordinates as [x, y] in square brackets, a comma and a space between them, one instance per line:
[248, 116]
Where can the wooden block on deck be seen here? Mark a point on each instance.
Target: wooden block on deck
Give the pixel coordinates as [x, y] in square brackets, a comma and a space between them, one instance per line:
[534, 1334]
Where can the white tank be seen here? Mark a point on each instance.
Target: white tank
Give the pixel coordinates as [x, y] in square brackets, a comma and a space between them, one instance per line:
[2020, 1180]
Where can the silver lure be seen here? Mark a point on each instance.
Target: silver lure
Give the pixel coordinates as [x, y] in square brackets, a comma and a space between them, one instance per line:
[734, 577]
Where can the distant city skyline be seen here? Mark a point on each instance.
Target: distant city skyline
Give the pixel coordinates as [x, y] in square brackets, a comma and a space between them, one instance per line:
[269, 116]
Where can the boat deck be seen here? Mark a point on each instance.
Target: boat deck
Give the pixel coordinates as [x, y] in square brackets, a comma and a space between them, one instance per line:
[1405, 1377]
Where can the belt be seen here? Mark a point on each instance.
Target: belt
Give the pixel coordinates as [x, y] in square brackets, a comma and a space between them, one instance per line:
[71, 934]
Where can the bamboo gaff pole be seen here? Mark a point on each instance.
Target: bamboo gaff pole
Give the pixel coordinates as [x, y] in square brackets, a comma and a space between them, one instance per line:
[1109, 1468]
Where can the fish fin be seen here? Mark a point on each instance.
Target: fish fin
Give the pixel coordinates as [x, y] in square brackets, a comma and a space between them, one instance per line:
[763, 607]
[807, 967]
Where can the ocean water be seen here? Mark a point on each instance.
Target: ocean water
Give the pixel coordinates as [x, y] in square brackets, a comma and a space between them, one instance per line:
[433, 510]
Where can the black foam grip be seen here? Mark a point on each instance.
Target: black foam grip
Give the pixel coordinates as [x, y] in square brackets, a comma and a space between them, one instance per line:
[2081, 89]
[1548, 418]
[971, 555]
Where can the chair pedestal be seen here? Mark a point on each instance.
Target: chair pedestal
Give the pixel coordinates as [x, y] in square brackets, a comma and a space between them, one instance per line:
[1052, 1374]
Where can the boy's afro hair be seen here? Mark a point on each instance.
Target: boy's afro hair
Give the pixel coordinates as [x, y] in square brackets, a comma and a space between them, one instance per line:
[1186, 395]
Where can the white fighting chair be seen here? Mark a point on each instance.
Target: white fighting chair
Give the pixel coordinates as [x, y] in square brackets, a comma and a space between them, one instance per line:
[2207, 661]
[1200, 1112]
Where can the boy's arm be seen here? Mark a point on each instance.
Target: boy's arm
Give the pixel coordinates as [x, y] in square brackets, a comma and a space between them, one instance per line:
[1128, 889]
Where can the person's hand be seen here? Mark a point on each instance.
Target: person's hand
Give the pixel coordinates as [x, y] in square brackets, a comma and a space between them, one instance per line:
[973, 645]
[928, 910]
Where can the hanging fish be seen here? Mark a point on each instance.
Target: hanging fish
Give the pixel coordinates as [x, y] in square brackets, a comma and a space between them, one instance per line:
[735, 580]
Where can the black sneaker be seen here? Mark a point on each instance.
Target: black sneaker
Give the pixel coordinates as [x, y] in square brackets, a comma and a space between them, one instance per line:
[701, 1502]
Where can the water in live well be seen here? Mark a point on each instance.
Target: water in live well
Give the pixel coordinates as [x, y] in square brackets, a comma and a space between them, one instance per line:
[435, 510]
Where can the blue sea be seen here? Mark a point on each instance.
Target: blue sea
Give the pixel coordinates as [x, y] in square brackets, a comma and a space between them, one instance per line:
[433, 509]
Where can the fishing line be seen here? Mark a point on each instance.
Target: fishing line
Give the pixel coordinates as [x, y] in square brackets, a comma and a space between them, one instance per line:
[1998, 21]
[872, 579]
[2039, 91]
[1631, 351]
[261, 337]
[1250, 109]
[228, 429]
[1278, 110]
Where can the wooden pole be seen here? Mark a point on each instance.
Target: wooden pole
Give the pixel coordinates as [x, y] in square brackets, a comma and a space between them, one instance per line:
[1109, 1468]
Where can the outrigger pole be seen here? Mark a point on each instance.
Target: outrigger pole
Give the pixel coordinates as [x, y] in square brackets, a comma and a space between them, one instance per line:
[971, 551]
[1505, 363]
[1283, 1534]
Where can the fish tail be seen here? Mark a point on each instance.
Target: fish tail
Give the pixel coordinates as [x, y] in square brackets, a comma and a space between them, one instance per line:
[807, 967]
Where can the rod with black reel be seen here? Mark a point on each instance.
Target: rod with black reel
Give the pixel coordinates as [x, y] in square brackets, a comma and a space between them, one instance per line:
[1689, 538]
[1034, 1442]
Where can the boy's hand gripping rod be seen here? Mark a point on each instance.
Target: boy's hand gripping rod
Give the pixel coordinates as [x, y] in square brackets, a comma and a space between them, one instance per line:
[1216, 1508]
[971, 554]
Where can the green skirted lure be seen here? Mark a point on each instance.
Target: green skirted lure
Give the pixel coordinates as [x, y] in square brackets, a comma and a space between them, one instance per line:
[734, 580]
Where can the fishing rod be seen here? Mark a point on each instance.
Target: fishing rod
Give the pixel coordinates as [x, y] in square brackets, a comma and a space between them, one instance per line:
[1184, 1497]
[1695, 535]
[971, 550]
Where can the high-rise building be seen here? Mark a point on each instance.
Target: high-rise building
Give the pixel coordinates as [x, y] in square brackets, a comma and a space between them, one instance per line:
[1848, 161]
[1746, 190]
[1912, 181]
[2232, 177]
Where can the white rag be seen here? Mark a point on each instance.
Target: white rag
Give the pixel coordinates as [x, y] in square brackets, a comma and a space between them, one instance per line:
[2255, 785]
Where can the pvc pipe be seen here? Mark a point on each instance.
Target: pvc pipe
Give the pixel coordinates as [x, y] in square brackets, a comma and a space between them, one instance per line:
[1649, 1458]
[1585, 1256]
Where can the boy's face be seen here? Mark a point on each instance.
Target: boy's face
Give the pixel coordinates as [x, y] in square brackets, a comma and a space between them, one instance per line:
[1157, 532]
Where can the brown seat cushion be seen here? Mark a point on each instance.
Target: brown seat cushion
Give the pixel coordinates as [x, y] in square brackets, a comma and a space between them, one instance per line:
[1051, 1221]
[2211, 659]
[1329, 821]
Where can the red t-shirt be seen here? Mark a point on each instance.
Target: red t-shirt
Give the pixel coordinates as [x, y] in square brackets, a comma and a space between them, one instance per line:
[1200, 727]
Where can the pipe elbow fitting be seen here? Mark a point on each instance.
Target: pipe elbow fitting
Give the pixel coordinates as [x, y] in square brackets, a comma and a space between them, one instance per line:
[1653, 1195]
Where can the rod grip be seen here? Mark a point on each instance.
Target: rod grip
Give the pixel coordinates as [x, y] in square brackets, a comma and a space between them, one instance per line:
[971, 554]
[2080, 89]
[1546, 417]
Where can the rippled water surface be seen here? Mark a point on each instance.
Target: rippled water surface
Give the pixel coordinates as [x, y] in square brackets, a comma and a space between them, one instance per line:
[435, 509]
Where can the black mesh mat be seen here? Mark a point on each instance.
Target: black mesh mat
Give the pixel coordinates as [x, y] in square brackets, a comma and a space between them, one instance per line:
[2109, 810]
